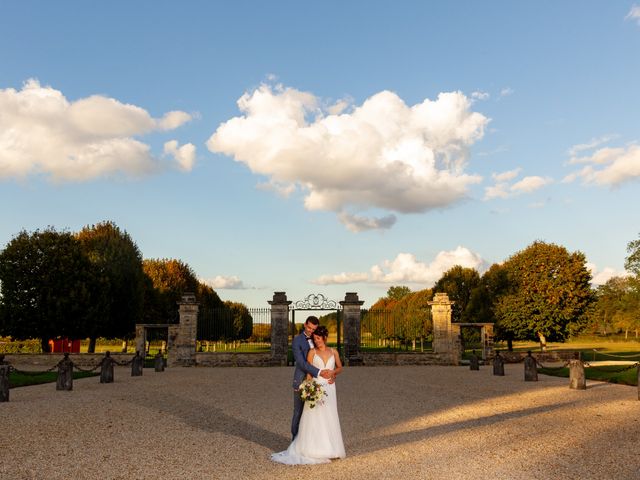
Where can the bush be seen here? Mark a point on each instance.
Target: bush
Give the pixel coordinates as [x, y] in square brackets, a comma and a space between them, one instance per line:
[31, 345]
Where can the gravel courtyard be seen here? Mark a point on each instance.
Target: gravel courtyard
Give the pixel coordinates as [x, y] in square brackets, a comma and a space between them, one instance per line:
[397, 423]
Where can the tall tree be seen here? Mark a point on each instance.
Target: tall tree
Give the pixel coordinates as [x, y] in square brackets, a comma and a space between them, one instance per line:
[458, 282]
[397, 292]
[47, 283]
[118, 263]
[549, 293]
[168, 280]
[632, 262]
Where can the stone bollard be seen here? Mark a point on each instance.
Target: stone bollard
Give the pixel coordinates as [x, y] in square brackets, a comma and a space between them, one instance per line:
[474, 362]
[137, 364]
[106, 368]
[5, 370]
[498, 364]
[638, 373]
[65, 374]
[577, 378]
[530, 368]
[158, 362]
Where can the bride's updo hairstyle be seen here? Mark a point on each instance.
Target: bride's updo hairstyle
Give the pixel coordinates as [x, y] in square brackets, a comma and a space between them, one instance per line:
[322, 331]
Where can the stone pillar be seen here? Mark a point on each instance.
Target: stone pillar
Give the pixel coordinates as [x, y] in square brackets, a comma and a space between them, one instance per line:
[141, 338]
[351, 328]
[498, 365]
[182, 337]
[577, 378]
[474, 363]
[5, 370]
[446, 338]
[486, 336]
[279, 327]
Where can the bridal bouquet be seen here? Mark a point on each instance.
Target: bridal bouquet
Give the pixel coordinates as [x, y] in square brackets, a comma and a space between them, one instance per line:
[312, 393]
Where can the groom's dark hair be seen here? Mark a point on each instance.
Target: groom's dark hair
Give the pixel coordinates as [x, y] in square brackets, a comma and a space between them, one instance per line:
[313, 320]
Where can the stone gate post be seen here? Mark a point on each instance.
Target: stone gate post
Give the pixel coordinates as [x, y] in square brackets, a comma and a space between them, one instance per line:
[279, 327]
[446, 337]
[351, 327]
[182, 337]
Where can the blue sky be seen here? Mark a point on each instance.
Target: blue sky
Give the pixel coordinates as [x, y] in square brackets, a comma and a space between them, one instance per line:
[325, 147]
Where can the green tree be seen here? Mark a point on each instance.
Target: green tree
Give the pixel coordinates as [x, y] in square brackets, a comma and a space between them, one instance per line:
[167, 280]
[398, 292]
[549, 293]
[632, 262]
[47, 283]
[241, 320]
[458, 282]
[118, 263]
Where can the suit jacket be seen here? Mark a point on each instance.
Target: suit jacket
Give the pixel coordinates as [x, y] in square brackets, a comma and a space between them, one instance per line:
[301, 347]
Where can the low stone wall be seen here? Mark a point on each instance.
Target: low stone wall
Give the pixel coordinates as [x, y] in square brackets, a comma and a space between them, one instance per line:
[48, 360]
[234, 359]
[399, 358]
[552, 356]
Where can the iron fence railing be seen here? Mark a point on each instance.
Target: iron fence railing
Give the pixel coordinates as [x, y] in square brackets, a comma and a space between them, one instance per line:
[396, 330]
[228, 330]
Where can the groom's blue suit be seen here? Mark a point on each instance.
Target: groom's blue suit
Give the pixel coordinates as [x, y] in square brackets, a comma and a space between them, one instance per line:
[301, 345]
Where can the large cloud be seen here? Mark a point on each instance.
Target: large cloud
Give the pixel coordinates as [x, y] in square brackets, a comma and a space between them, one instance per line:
[42, 132]
[406, 268]
[608, 166]
[220, 282]
[382, 154]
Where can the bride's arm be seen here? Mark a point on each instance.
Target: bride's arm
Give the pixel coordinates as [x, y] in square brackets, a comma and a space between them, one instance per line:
[338, 368]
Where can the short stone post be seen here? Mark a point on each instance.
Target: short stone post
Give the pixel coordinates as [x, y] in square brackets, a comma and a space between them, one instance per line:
[5, 370]
[530, 368]
[65, 374]
[474, 362]
[158, 362]
[498, 364]
[279, 328]
[577, 378]
[351, 315]
[137, 365]
[106, 368]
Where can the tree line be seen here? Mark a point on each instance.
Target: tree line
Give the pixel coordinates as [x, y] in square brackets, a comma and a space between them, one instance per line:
[542, 293]
[94, 283]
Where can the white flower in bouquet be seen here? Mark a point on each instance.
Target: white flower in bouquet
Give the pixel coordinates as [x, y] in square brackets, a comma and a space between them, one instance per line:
[311, 392]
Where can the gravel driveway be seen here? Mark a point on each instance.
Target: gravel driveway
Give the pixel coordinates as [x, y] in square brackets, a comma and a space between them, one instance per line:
[397, 422]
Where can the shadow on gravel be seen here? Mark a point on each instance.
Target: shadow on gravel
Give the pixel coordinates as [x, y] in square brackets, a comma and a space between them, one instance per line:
[384, 441]
[210, 419]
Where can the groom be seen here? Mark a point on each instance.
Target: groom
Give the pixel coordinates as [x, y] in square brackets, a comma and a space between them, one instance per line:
[301, 345]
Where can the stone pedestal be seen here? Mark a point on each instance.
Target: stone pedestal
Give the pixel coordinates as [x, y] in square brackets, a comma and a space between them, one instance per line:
[158, 362]
[106, 368]
[279, 327]
[577, 378]
[351, 327]
[446, 336]
[182, 337]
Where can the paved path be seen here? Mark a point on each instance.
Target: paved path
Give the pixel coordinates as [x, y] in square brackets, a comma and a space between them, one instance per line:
[398, 423]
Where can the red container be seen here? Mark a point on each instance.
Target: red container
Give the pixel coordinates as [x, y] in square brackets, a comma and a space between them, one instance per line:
[61, 345]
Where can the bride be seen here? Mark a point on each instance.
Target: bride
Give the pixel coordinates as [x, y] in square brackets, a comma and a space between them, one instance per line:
[319, 438]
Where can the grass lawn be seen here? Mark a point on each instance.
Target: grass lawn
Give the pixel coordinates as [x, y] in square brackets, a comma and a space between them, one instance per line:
[605, 373]
[24, 380]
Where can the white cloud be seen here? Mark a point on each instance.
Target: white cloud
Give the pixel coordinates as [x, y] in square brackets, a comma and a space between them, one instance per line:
[41, 132]
[224, 283]
[634, 14]
[601, 277]
[505, 92]
[608, 166]
[383, 154]
[360, 224]
[593, 143]
[185, 155]
[506, 176]
[502, 189]
[405, 268]
[173, 120]
[478, 95]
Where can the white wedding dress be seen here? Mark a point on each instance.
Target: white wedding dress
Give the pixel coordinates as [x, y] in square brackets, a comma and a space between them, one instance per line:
[319, 437]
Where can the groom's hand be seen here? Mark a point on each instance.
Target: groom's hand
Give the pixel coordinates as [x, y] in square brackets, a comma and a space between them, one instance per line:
[326, 374]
